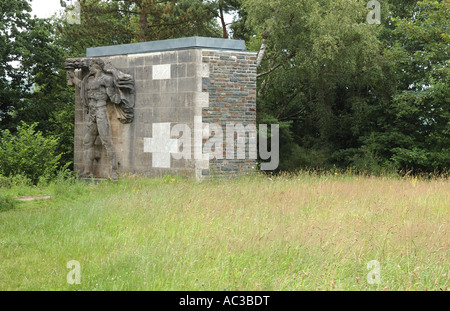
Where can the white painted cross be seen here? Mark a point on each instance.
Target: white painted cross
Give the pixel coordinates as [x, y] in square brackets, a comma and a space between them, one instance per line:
[161, 145]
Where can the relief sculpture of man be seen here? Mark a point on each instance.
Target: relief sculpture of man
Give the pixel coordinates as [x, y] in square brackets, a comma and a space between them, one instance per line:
[97, 87]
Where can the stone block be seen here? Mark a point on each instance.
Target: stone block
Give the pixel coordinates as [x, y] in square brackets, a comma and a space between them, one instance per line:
[186, 56]
[166, 114]
[119, 61]
[148, 100]
[135, 60]
[169, 86]
[189, 85]
[175, 84]
[178, 71]
[143, 73]
[151, 59]
[170, 57]
[151, 86]
[185, 115]
[201, 99]
[161, 72]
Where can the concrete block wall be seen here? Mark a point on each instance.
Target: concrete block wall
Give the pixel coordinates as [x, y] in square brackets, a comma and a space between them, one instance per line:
[210, 82]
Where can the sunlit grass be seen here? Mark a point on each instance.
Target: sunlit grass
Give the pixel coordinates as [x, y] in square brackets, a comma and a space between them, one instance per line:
[294, 232]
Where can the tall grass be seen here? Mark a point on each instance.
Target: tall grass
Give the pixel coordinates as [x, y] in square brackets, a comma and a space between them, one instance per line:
[302, 231]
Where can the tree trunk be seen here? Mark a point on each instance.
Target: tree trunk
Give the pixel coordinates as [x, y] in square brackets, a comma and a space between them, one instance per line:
[143, 22]
[224, 25]
[261, 52]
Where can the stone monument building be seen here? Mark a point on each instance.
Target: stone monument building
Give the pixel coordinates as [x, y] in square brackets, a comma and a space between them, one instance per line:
[165, 100]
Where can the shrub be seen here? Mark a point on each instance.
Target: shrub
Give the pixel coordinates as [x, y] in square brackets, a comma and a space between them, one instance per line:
[7, 203]
[16, 180]
[28, 153]
[4, 182]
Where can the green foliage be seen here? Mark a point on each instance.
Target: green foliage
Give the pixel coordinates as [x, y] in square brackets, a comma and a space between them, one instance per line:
[14, 17]
[345, 93]
[240, 27]
[102, 23]
[323, 72]
[62, 127]
[219, 8]
[158, 20]
[120, 22]
[7, 203]
[372, 97]
[33, 85]
[15, 180]
[29, 62]
[28, 153]
[416, 125]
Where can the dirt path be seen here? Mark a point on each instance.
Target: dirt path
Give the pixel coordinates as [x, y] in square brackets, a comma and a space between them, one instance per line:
[31, 198]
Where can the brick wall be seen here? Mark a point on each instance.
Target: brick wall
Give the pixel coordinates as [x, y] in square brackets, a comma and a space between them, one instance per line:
[231, 85]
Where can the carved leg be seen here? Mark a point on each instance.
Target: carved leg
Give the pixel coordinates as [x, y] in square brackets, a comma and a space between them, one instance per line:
[89, 151]
[88, 162]
[104, 131]
[113, 162]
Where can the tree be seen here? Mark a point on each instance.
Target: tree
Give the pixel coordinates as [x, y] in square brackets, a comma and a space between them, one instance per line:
[219, 8]
[32, 81]
[15, 80]
[128, 21]
[101, 23]
[416, 126]
[321, 76]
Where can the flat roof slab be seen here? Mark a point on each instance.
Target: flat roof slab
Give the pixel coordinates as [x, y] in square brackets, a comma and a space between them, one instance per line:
[166, 45]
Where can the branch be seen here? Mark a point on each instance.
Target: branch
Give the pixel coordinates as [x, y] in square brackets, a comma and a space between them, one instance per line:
[214, 12]
[169, 24]
[276, 66]
[270, 70]
[292, 117]
[124, 11]
[290, 99]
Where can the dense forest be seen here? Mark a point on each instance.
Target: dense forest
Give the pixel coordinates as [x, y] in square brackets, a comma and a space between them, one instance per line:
[346, 91]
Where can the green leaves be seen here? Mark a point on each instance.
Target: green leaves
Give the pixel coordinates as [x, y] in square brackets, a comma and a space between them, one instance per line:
[28, 153]
[365, 95]
[323, 62]
[344, 92]
[14, 19]
[421, 106]
[29, 60]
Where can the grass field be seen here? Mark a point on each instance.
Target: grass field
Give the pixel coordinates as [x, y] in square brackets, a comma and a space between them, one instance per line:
[297, 232]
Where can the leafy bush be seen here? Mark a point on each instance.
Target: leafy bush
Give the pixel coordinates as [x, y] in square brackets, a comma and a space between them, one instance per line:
[16, 180]
[4, 182]
[421, 160]
[28, 153]
[7, 203]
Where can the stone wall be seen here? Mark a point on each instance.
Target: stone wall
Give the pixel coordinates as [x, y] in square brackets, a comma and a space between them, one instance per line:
[231, 85]
[194, 86]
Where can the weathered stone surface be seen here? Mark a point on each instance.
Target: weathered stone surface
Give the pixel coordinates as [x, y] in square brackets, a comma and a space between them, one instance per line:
[189, 85]
[232, 99]
[98, 82]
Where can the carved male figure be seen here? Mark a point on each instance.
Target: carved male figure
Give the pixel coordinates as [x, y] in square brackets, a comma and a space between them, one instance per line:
[96, 87]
